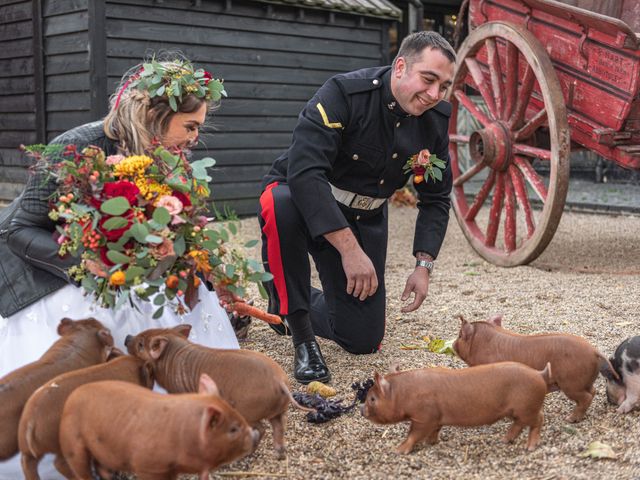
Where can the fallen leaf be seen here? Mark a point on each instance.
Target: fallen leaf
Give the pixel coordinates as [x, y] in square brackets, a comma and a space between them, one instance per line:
[569, 429]
[622, 324]
[598, 449]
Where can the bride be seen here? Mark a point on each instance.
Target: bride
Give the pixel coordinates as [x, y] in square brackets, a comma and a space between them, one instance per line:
[35, 290]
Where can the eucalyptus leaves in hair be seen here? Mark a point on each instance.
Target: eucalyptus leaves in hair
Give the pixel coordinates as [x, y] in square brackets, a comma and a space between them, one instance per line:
[175, 79]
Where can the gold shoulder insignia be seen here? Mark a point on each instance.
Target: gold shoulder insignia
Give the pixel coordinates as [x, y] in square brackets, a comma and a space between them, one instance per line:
[325, 119]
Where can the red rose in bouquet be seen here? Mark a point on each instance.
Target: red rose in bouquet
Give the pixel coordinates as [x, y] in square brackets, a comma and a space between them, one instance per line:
[122, 188]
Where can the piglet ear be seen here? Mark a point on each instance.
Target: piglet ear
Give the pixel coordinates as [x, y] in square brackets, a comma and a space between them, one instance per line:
[395, 367]
[157, 346]
[183, 330]
[466, 330]
[104, 334]
[64, 326]
[383, 385]
[146, 375]
[496, 320]
[207, 386]
[211, 416]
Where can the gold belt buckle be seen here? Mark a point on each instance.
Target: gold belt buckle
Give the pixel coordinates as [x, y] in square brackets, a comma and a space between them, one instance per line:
[362, 202]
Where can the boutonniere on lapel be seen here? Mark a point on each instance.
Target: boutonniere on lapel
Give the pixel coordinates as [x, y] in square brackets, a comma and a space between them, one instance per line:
[424, 163]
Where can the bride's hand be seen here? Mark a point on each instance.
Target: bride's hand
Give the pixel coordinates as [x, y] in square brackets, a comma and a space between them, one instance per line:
[227, 298]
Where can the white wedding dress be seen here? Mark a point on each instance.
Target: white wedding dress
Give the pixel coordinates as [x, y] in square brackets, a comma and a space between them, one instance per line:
[26, 335]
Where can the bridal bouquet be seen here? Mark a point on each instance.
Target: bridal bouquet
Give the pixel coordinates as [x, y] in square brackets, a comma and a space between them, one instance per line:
[139, 226]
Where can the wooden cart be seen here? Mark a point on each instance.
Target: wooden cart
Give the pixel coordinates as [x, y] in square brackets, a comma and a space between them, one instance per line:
[551, 77]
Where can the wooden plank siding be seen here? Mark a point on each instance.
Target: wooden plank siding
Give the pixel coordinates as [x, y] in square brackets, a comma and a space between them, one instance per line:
[66, 34]
[272, 57]
[17, 86]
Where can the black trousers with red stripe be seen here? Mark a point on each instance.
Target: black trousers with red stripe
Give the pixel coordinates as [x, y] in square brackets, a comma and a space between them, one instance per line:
[357, 326]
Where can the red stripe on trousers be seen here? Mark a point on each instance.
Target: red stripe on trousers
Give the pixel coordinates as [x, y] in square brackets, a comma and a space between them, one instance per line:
[274, 255]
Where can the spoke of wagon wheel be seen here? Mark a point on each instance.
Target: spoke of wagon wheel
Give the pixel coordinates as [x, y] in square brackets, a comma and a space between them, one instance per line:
[523, 97]
[457, 138]
[478, 77]
[509, 215]
[523, 200]
[468, 174]
[530, 151]
[496, 75]
[494, 213]
[473, 109]
[481, 197]
[532, 177]
[511, 81]
[531, 126]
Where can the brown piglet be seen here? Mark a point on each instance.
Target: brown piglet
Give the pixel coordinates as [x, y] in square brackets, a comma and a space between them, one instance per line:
[83, 343]
[126, 428]
[250, 381]
[574, 361]
[39, 425]
[431, 398]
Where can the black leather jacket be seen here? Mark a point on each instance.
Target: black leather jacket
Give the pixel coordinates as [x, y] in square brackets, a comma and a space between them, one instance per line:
[30, 267]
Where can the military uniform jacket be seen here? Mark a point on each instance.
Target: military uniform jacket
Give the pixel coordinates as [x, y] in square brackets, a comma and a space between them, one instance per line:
[353, 135]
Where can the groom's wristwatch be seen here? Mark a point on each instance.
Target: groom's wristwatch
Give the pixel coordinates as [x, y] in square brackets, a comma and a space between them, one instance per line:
[428, 264]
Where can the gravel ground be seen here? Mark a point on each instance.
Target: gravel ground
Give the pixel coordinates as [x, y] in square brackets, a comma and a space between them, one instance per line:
[586, 283]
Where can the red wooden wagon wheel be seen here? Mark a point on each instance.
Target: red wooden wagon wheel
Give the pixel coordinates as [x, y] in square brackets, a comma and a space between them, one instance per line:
[514, 76]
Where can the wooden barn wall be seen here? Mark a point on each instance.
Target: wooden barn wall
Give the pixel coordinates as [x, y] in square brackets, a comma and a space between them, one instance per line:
[67, 64]
[272, 59]
[18, 84]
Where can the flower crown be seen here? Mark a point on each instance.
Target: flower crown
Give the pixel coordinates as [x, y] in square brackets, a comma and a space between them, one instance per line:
[176, 79]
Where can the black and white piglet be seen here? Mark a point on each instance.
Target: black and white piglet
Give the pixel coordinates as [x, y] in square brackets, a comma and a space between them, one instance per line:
[625, 390]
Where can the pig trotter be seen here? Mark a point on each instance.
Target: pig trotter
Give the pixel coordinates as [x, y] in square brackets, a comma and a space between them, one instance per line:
[534, 433]
[628, 404]
[278, 426]
[30, 466]
[514, 430]
[417, 432]
[583, 401]
[62, 466]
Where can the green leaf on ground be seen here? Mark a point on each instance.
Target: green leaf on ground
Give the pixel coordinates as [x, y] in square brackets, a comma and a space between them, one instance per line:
[598, 450]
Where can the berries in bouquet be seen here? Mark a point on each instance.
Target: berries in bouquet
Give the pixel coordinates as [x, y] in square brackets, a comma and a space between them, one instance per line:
[139, 227]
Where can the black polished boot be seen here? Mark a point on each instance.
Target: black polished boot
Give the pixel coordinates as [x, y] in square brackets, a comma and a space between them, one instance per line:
[281, 328]
[309, 365]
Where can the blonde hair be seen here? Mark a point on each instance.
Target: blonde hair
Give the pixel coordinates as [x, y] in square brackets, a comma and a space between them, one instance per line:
[135, 119]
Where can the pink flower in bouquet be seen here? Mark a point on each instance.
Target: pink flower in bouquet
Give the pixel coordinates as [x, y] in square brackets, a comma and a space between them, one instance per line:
[173, 206]
[163, 250]
[114, 159]
[122, 188]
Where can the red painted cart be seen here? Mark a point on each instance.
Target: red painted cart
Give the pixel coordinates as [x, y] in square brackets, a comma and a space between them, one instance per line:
[550, 77]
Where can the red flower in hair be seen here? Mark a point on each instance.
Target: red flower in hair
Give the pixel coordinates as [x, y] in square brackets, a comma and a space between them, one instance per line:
[207, 77]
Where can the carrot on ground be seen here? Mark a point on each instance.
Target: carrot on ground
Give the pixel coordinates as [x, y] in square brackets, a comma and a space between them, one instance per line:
[245, 309]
